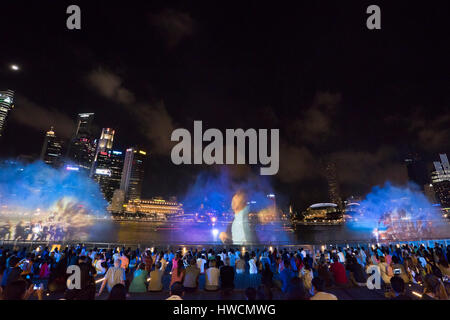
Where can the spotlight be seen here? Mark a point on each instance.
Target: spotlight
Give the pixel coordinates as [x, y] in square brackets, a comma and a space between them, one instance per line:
[14, 67]
[215, 232]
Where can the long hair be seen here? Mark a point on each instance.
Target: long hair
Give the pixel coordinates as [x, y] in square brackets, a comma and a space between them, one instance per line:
[180, 267]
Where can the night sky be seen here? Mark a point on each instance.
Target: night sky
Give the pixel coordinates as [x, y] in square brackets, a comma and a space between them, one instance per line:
[336, 90]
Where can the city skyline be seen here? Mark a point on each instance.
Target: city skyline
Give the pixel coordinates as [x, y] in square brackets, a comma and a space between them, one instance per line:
[360, 99]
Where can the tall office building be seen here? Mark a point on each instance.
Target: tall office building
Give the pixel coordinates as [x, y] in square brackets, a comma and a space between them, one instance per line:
[104, 146]
[417, 170]
[116, 166]
[333, 184]
[440, 179]
[6, 104]
[52, 149]
[108, 172]
[133, 173]
[81, 151]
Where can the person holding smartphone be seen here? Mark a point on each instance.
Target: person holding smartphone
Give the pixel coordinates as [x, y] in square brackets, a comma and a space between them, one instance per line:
[22, 290]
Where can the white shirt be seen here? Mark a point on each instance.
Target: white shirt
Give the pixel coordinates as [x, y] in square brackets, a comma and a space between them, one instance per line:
[240, 229]
[201, 264]
[212, 277]
[253, 268]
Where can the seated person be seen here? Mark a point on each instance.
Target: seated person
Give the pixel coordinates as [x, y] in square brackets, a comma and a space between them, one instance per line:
[227, 275]
[398, 289]
[139, 282]
[357, 274]
[156, 275]
[176, 291]
[212, 277]
[319, 291]
[190, 282]
[338, 271]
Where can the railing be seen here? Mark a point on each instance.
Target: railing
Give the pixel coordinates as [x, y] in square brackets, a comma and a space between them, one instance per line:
[186, 244]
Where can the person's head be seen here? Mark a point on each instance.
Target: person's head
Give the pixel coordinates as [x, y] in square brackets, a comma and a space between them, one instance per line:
[250, 293]
[118, 292]
[395, 260]
[432, 284]
[239, 201]
[212, 263]
[176, 289]
[16, 290]
[335, 258]
[382, 259]
[180, 267]
[81, 259]
[398, 285]
[13, 261]
[158, 265]
[192, 262]
[443, 262]
[318, 284]
[117, 263]
[296, 290]
[141, 266]
[227, 261]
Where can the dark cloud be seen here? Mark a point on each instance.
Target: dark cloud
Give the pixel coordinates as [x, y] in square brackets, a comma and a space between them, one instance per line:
[433, 135]
[296, 163]
[314, 125]
[173, 25]
[110, 86]
[153, 120]
[31, 114]
[359, 171]
[156, 124]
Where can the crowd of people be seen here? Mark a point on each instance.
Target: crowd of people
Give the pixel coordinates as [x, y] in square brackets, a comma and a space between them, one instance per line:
[294, 274]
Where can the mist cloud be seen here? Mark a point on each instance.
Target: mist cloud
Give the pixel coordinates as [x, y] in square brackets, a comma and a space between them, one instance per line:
[153, 119]
[35, 116]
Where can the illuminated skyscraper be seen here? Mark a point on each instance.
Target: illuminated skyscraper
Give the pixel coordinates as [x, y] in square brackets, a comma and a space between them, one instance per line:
[133, 173]
[104, 146]
[440, 179]
[81, 151]
[52, 149]
[116, 166]
[333, 185]
[105, 143]
[108, 172]
[6, 104]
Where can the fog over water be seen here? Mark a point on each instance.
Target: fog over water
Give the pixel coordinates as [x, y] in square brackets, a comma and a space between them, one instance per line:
[38, 202]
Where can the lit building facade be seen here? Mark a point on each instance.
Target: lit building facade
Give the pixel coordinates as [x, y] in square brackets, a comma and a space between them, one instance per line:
[133, 173]
[440, 179]
[52, 149]
[104, 146]
[156, 208]
[6, 104]
[322, 213]
[82, 148]
[108, 172]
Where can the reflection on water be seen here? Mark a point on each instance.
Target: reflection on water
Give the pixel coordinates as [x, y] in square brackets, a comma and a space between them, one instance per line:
[144, 232]
[134, 232]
